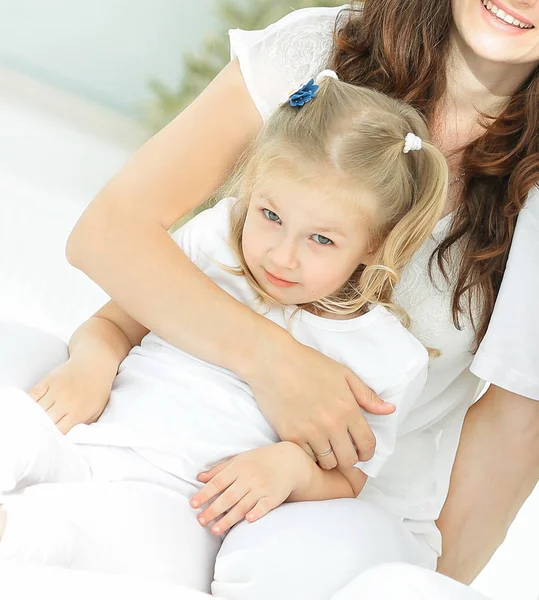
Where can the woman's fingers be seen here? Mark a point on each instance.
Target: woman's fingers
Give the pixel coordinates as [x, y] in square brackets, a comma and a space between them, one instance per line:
[367, 399]
[315, 401]
[307, 449]
[235, 514]
[344, 449]
[323, 452]
[363, 439]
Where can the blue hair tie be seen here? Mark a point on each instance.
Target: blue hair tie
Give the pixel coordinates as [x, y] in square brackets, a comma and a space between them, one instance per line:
[305, 94]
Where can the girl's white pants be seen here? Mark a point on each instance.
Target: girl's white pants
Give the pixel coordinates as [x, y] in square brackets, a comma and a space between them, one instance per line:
[107, 509]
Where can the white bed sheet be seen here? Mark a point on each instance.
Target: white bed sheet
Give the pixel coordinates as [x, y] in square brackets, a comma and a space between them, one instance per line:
[20, 581]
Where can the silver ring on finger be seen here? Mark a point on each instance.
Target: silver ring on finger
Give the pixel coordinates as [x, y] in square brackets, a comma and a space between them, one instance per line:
[322, 454]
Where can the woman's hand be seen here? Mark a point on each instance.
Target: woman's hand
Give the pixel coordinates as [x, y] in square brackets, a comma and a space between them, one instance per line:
[74, 392]
[315, 402]
[250, 485]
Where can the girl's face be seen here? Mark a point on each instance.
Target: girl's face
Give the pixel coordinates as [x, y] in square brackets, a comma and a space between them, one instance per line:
[301, 244]
[504, 31]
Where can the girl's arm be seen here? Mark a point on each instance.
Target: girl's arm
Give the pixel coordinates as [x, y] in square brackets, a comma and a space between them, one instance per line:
[109, 335]
[253, 483]
[496, 469]
[328, 485]
[78, 390]
[121, 242]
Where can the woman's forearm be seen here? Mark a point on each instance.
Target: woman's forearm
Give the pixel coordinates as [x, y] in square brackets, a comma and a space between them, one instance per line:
[121, 240]
[496, 468]
[177, 301]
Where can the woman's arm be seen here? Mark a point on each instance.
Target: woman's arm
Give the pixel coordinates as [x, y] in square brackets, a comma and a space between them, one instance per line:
[496, 469]
[121, 242]
[172, 173]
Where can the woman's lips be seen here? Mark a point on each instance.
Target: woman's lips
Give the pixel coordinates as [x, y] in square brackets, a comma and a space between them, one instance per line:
[500, 24]
[283, 283]
[508, 11]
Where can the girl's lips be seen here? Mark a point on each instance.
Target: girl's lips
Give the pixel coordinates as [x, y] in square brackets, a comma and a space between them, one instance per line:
[283, 283]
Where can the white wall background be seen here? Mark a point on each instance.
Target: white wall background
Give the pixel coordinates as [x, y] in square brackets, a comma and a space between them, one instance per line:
[104, 50]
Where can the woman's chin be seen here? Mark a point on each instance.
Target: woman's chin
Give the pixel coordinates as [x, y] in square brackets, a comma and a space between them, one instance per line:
[488, 38]
[491, 49]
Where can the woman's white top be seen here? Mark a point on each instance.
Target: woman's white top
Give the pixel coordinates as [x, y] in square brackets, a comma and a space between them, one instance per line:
[278, 60]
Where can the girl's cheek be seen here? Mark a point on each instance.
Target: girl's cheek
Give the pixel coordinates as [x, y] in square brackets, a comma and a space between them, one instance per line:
[325, 279]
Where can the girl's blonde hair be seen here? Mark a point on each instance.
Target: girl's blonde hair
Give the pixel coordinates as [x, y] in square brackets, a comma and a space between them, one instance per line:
[354, 137]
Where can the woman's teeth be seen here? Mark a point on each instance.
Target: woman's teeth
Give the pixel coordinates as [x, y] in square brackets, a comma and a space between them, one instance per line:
[503, 16]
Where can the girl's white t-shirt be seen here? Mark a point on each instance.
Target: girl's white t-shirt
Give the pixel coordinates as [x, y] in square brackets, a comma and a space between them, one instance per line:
[185, 414]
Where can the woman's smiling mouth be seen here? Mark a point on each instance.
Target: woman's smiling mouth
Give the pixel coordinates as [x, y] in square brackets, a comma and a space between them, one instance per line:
[504, 15]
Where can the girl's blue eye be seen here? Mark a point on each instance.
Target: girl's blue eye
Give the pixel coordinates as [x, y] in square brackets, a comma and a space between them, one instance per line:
[269, 214]
[321, 239]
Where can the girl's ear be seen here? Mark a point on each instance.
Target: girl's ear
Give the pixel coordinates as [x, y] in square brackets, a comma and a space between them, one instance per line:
[370, 258]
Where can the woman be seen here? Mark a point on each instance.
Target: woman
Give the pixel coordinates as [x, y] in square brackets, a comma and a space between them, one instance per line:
[455, 61]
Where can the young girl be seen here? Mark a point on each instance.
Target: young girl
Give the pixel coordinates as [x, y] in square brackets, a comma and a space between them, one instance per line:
[338, 192]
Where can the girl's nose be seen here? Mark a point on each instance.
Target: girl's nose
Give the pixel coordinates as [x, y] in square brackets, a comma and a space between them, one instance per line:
[284, 255]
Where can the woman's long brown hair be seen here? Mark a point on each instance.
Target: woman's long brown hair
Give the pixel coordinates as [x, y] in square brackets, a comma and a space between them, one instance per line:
[400, 48]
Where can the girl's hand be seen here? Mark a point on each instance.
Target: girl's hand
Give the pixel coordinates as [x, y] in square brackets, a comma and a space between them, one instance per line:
[74, 392]
[315, 402]
[250, 485]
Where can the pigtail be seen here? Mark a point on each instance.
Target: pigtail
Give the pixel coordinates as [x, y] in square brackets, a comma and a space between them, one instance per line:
[411, 230]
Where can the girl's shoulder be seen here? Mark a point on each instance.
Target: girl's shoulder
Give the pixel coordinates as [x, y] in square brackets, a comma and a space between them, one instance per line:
[280, 58]
[205, 236]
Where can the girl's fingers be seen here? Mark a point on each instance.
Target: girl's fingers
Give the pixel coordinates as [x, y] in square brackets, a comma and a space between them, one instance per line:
[207, 475]
[226, 501]
[56, 413]
[39, 390]
[235, 514]
[46, 401]
[65, 424]
[260, 509]
[217, 484]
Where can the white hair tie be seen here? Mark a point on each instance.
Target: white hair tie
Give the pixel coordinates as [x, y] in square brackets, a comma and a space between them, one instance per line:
[326, 73]
[412, 142]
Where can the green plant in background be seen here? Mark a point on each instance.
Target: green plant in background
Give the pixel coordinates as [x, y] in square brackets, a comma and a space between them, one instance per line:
[202, 65]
